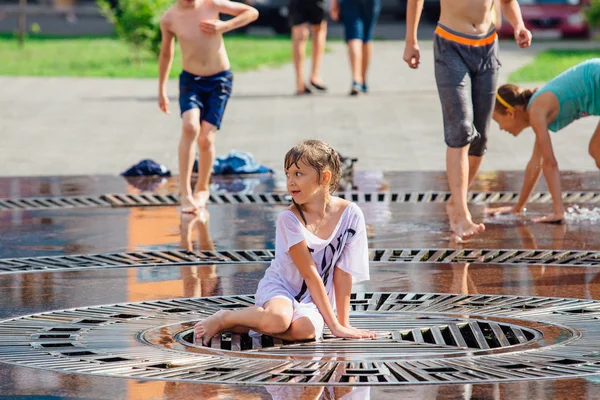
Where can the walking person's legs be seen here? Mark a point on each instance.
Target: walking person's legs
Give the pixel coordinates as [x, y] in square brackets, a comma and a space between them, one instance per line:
[215, 94]
[454, 82]
[299, 39]
[206, 160]
[355, 55]
[367, 52]
[353, 33]
[319, 38]
[457, 169]
[190, 130]
[370, 14]
[483, 94]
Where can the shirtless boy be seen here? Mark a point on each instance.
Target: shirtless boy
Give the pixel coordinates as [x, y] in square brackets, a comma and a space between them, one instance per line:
[204, 84]
[466, 71]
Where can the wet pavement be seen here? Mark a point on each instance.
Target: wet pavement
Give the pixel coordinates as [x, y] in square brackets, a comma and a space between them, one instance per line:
[64, 232]
[35, 233]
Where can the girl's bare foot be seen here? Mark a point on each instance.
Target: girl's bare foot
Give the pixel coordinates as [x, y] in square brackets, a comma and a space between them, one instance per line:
[205, 329]
[188, 205]
[201, 198]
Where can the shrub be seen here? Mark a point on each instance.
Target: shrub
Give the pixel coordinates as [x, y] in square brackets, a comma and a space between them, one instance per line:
[136, 21]
[592, 14]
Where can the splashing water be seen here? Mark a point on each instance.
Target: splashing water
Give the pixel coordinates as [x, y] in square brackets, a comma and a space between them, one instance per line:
[501, 219]
[577, 213]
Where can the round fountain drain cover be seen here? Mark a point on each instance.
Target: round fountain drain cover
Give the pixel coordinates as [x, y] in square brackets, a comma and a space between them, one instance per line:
[423, 338]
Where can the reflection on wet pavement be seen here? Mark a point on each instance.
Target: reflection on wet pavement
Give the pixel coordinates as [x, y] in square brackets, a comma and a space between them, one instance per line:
[251, 226]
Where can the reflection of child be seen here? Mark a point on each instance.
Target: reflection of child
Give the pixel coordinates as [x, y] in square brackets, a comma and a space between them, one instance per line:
[321, 244]
[198, 280]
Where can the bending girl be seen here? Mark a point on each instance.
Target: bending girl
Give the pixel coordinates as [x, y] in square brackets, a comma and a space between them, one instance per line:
[571, 95]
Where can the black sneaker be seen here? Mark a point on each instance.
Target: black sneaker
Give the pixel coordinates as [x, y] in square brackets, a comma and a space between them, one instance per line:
[355, 89]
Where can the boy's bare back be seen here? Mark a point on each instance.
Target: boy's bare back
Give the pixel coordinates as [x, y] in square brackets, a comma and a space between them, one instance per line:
[467, 16]
[203, 53]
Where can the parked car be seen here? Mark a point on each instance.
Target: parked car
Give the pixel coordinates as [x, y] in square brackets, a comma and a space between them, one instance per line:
[431, 8]
[271, 13]
[550, 19]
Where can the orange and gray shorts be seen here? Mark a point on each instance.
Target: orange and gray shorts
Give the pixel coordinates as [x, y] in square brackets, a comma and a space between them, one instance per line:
[466, 73]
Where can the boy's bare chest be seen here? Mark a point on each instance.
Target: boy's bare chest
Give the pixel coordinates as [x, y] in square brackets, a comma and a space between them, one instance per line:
[472, 10]
[188, 26]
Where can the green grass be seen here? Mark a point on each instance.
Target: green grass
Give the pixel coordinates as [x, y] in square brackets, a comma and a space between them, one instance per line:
[111, 57]
[551, 63]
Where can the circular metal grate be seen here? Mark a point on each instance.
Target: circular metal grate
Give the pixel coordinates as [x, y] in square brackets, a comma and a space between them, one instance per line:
[424, 338]
[586, 258]
[400, 336]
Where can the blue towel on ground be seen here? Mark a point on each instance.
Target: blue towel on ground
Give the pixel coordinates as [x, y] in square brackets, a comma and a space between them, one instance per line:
[236, 163]
[147, 168]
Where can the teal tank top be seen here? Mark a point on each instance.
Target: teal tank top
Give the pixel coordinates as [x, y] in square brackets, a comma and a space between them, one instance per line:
[578, 93]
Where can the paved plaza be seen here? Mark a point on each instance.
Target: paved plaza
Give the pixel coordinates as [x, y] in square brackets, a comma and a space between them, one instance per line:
[68, 126]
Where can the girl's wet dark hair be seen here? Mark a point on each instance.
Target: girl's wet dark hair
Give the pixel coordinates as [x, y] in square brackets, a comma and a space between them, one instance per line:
[318, 155]
[513, 95]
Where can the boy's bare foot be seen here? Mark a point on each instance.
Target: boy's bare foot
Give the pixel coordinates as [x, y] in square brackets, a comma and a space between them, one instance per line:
[451, 215]
[201, 198]
[207, 328]
[188, 205]
[465, 228]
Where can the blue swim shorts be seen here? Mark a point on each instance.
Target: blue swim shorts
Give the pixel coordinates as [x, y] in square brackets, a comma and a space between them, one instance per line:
[359, 18]
[207, 93]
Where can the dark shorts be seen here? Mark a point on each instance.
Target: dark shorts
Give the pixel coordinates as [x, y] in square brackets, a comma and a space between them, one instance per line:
[207, 93]
[359, 18]
[466, 73]
[306, 11]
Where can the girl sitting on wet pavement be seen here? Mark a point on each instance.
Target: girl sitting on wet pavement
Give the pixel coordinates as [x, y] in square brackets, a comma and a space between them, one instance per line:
[320, 248]
[571, 95]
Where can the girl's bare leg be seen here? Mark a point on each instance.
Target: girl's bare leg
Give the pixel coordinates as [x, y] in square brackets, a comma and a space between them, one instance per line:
[594, 148]
[300, 329]
[272, 319]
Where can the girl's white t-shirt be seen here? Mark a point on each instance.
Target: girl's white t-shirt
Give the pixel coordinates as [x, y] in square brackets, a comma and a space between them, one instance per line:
[346, 248]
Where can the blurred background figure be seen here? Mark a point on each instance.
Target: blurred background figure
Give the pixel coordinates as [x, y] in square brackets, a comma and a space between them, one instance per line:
[359, 18]
[303, 13]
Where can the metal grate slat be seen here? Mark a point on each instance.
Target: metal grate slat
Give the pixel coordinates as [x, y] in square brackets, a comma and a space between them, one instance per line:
[157, 200]
[574, 258]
